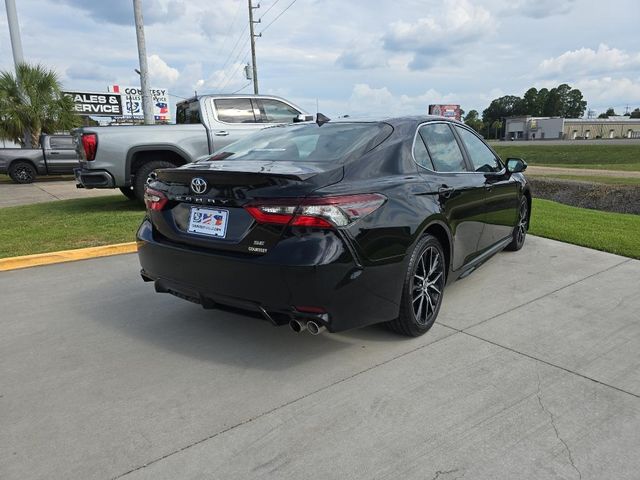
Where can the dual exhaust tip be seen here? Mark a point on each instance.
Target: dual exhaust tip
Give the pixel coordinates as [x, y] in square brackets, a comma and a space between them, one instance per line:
[312, 327]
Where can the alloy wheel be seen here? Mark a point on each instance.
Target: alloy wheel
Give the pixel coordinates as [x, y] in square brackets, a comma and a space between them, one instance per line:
[427, 285]
[522, 222]
[23, 174]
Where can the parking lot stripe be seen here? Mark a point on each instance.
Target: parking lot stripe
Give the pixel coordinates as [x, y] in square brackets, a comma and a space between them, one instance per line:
[15, 263]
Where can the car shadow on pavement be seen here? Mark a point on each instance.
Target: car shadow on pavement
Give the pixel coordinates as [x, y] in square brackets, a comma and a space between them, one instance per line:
[219, 336]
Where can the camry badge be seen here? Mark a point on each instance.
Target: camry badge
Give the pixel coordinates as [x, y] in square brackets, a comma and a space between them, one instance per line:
[198, 185]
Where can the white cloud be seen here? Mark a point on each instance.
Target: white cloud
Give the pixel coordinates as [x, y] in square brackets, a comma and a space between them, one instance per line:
[587, 61]
[459, 23]
[159, 71]
[539, 8]
[607, 91]
[380, 101]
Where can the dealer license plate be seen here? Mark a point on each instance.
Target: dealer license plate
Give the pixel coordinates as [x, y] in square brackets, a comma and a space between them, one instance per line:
[207, 221]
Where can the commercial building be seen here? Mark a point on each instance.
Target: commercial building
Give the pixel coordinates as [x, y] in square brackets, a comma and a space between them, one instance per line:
[534, 128]
[547, 128]
[612, 127]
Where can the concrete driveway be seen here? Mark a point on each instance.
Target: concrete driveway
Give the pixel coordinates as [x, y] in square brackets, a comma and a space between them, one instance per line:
[532, 372]
[12, 194]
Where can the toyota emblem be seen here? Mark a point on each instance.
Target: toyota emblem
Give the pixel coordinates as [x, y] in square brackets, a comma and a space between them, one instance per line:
[198, 185]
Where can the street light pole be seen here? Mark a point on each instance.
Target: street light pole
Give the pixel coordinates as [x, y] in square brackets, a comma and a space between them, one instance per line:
[147, 108]
[14, 33]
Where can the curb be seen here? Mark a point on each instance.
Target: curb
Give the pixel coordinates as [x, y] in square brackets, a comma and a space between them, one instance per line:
[15, 263]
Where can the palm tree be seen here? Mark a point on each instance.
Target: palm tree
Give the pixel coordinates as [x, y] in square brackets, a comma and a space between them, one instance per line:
[496, 125]
[32, 103]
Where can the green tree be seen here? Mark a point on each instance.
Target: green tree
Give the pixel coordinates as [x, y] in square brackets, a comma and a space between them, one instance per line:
[473, 120]
[609, 113]
[32, 103]
[635, 113]
[496, 127]
[507, 106]
[531, 103]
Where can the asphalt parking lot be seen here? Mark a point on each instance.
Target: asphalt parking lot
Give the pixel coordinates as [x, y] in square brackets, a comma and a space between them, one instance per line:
[532, 372]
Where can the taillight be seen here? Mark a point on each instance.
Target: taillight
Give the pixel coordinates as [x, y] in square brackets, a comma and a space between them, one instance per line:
[154, 200]
[90, 145]
[320, 212]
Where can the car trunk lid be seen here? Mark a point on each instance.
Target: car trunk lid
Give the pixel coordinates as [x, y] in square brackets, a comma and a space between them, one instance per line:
[207, 200]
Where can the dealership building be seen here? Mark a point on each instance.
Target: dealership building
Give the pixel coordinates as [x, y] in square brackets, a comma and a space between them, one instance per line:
[548, 128]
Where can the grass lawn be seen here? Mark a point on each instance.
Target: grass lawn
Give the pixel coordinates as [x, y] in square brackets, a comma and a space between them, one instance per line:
[68, 224]
[591, 178]
[89, 222]
[610, 232]
[607, 157]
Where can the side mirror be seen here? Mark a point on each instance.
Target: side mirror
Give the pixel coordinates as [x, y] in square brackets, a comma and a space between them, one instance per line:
[303, 118]
[516, 165]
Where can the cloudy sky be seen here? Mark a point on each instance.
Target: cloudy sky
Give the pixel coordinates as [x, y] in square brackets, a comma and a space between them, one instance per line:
[353, 56]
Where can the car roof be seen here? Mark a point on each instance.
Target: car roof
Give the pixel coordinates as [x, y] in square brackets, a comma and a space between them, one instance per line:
[397, 121]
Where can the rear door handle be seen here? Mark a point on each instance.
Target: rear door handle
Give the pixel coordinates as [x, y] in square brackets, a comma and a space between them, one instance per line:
[54, 153]
[446, 191]
[221, 133]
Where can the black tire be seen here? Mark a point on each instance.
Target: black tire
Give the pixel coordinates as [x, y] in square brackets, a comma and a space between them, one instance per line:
[22, 172]
[128, 192]
[423, 289]
[140, 179]
[519, 234]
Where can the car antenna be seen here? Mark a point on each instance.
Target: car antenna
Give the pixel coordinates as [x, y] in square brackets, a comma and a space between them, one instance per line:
[321, 119]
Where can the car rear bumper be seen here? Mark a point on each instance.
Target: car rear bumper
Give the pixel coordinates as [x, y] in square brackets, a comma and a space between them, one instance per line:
[86, 178]
[351, 295]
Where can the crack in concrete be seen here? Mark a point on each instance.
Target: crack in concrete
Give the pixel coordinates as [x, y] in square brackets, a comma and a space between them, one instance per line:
[444, 472]
[555, 427]
[47, 192]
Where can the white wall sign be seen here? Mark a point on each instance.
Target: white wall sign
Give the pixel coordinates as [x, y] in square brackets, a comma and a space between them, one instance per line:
[132, 101]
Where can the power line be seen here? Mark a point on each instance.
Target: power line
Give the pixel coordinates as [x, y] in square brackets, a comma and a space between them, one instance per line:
[234, 46]
[267, 10]
[233, 74]
[241, 88]
[277, 17]
[233, 21]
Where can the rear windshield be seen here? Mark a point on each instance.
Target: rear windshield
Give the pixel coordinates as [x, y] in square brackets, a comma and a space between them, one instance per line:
[308, 142]
[188, 112]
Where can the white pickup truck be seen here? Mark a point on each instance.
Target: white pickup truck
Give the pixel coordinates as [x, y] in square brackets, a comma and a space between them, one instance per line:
[124, 156]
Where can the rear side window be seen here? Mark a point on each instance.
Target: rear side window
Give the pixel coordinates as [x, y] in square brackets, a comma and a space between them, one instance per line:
[61, 143]
[421, 155]
[481, 156]
[188, 113]
[235, 110]
[443, 147]
[275, 111]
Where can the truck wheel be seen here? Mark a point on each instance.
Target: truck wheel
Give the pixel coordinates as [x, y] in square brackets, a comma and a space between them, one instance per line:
[140, 180]
[22, 172]
[128, 192]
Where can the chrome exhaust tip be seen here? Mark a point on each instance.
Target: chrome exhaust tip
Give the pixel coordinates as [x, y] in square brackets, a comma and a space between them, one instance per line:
[314, 328]
[297, 326]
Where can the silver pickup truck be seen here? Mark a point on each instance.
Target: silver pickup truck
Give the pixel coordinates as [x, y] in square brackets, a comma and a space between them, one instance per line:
[124, 156]
[56, 156]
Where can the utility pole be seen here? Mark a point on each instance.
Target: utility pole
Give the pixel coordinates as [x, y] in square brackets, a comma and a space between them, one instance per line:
[147, 108]
[253, 47]
[14, 33]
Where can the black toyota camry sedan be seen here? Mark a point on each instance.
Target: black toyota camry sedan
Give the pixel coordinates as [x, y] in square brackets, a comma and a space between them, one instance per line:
[336, 225]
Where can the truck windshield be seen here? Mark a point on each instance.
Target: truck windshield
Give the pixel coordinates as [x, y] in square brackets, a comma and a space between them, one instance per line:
[307, 142]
